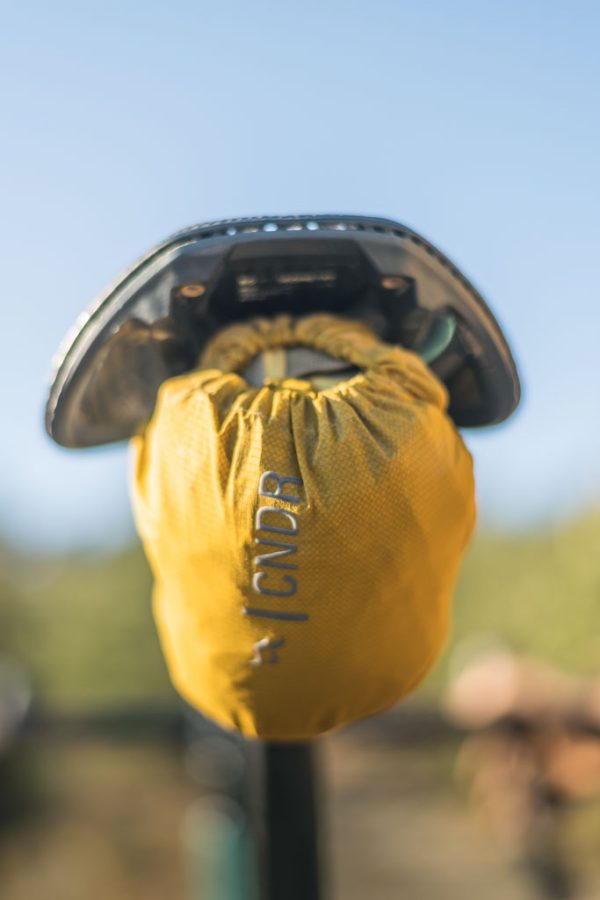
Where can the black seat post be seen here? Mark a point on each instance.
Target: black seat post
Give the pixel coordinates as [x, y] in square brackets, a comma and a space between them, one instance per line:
[286, 821]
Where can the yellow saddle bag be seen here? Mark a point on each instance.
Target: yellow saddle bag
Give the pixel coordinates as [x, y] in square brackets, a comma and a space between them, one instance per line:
[304, 533]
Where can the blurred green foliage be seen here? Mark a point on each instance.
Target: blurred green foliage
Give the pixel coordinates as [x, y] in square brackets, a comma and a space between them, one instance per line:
[81, 626]
[537, 591]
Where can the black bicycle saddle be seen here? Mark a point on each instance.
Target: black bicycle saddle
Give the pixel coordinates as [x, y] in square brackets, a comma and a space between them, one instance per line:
[153, 322]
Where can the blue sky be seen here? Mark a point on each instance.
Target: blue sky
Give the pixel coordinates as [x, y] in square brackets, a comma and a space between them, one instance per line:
[475, 123]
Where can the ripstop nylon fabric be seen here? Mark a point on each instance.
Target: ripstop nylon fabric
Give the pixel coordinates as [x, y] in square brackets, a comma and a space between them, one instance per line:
[304, 543]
